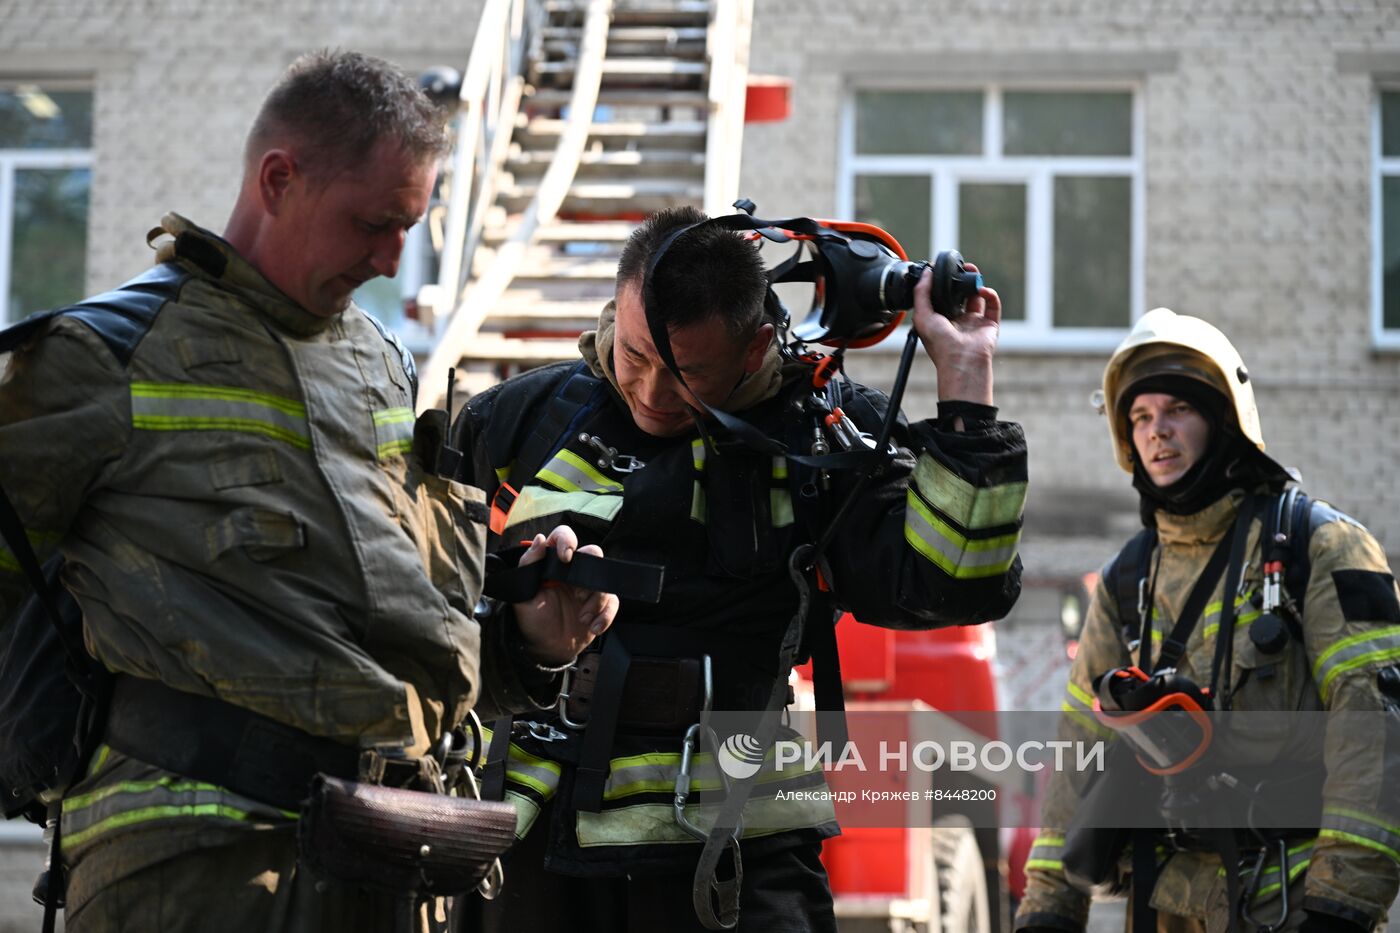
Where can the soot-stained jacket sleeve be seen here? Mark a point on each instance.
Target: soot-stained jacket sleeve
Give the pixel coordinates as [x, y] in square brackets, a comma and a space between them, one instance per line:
[933, 539]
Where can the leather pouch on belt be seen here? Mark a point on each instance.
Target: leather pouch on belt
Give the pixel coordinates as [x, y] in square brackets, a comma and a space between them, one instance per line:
[400, 840]
[661, 694]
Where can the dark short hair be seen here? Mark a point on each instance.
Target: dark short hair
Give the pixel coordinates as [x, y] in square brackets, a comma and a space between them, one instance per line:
[336, 105]
[705, 272]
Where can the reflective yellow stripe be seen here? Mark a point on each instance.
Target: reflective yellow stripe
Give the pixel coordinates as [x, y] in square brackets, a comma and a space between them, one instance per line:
[175, 390]
[539, 774]
[164, 812]
[697, 503]
[1080, 694]
[571, 473]
[1044, 864]
[780, 470]
[1374, 646]
[1360, 841]
[697, 454]
[1088, 722]
[956, 555]
[80, 802]
[393, 432]
[182, 407]
[780, 507]
[656, 773]
[104, 752]
[503, 473]
[536, 502]
[1353, 825]
[655, 823]
[972, 507]
[526, 812]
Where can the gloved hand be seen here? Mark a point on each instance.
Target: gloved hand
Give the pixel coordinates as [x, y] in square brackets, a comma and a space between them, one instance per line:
[1319, 922]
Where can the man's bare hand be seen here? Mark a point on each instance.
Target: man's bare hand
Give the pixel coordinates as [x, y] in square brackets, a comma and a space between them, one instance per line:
[560, 621]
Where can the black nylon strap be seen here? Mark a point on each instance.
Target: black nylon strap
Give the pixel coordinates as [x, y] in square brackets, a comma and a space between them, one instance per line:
[564, 409]
[594, 755]
[1131, 570]
[628, 579]
[1144, 879]
[209, 740]
[12, 530]
[1174, 646]
[1225, 636]
[493, 772]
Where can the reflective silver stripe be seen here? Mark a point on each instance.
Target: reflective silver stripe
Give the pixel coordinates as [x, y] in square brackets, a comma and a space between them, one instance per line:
[393, 432]
[133, 804]
[184, 407]
[656, 773]
[972, 507]
[697, 503]
[536, 501]
[697, 454]
[955, 554]
[1351, 825]
[1376, 646]
[571, 473]
[538, 774]
[656, 822]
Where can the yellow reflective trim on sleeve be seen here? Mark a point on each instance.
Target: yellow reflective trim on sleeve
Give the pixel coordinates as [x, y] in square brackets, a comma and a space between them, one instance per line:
[1044, 864]
[956, 555]
[972, 507]
[1048, 841]
[1088, 722]
[1360, 841]
[1080, 694]
[82, 801]
[1388, 634]
[1361, 817]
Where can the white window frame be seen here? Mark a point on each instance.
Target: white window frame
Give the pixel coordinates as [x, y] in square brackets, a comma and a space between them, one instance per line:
[1037, 173]
[1381, 338]
[13, 160]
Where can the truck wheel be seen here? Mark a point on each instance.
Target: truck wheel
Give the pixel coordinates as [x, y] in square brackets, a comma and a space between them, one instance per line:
[962, 880]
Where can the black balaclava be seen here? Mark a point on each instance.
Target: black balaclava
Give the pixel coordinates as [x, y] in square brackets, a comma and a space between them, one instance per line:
[1225, 464]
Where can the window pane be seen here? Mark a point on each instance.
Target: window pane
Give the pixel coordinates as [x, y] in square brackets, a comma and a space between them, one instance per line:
[992, 234]
[918, 123]
[1093, 252]
[49, 252]
[1068, 123]
[1390, 252]
[900, 204]
[33, 118]
[1390, 123]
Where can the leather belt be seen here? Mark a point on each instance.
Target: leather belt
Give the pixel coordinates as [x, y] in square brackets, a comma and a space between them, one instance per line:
[210, 740]
[660, 695]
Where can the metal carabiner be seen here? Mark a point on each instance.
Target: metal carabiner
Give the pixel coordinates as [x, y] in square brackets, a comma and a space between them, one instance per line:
[608, 457]
[561, 706]
[1257, 882]
[543, 732]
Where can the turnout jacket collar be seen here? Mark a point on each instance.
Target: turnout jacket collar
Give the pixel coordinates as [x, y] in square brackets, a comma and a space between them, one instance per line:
[218, 259]
[596, 347]
[1199, 528]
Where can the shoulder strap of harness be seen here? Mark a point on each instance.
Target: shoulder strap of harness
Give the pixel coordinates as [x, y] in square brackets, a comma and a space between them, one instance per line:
[577, 395]
[1125, 580]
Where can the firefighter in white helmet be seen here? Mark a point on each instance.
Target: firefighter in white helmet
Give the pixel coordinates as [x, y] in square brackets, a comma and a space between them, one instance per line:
[1183, 421]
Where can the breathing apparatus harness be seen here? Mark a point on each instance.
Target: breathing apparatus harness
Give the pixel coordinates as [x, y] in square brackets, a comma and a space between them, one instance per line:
[863, 287]
[1129, 700]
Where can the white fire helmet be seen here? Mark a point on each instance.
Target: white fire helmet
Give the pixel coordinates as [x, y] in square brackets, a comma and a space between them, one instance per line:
[1163, 343]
